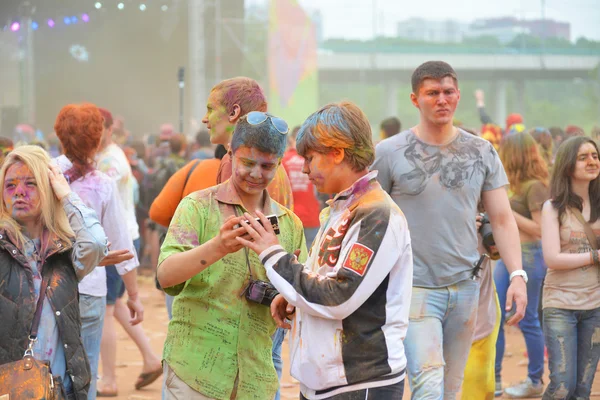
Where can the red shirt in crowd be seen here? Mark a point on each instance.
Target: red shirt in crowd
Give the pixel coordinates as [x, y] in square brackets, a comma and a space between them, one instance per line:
[306, 205]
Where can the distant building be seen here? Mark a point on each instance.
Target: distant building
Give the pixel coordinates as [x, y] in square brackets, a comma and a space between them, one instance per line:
[507, 28]
[447, 31]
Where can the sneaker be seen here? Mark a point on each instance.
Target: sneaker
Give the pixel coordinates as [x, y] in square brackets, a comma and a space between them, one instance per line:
[498, 392]
[525, 389]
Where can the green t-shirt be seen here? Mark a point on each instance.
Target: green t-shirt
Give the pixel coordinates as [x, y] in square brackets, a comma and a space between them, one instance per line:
[216, 334]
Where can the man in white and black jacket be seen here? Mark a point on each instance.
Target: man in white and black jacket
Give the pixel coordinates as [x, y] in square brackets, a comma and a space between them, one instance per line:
[352, 298]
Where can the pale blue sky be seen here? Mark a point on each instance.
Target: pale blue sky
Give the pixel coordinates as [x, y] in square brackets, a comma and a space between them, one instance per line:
[354, 18]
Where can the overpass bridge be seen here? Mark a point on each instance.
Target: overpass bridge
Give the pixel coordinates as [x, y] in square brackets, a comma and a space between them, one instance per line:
[392, 66]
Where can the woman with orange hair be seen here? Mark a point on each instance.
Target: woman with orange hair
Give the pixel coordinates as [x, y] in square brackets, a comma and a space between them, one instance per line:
[79, 129]
[528, 178]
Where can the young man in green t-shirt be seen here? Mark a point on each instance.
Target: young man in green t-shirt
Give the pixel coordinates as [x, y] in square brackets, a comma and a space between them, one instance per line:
[218, 344]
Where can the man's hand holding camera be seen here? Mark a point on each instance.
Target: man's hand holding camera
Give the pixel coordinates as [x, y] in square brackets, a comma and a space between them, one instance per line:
[261, 233]
[228, 234]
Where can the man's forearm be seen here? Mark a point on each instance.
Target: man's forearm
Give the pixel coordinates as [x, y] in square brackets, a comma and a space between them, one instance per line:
[506, 236]
[180, 267]
[483, 116]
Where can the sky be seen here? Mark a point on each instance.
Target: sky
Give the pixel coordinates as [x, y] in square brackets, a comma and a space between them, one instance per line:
[353, 19]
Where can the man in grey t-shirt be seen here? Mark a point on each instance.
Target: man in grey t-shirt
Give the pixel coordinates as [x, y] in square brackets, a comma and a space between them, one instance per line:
[438, 174]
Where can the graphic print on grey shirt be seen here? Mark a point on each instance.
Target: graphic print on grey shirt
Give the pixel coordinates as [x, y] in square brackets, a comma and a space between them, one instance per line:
[438, 189]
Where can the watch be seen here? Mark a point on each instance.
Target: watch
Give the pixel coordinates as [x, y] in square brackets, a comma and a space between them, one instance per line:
[519, 272]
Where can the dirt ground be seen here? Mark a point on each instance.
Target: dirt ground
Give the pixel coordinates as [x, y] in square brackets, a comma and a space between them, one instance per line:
[129, 361]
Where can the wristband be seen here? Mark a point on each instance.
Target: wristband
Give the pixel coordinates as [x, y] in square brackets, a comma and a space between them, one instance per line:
[520, 273]
[596, 258]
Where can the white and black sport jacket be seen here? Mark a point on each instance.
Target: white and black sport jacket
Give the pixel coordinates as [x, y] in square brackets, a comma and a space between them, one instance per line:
[352, 297]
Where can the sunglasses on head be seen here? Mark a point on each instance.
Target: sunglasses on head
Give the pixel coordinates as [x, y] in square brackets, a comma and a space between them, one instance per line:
[258, 117]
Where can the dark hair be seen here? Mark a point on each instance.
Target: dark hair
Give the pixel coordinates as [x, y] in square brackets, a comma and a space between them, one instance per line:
[543, 137]
[177, 143]
[263, 137]
[560, 185]
[339, 126]
[203, 138]
[391, 126]
[140, 148]
[437, 70]
[556, 131]
[220, 152]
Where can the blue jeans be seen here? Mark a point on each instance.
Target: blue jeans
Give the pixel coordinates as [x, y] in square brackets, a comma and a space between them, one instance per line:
[310, 234]
[92, 311]
[573, 340]
[278, 337]
[533, 264]
[438, 341]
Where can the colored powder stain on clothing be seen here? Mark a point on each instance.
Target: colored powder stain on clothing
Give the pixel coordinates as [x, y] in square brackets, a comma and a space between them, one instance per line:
[49, 344]
[205, 354]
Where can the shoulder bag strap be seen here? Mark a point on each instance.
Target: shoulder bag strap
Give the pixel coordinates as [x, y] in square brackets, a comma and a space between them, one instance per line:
[37, 317]
[187, 178]
[588, 229]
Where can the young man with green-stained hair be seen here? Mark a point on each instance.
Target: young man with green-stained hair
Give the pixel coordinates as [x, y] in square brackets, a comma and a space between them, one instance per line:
[219, 344]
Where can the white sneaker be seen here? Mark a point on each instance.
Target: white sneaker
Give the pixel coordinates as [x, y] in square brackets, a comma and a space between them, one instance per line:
[525, 390]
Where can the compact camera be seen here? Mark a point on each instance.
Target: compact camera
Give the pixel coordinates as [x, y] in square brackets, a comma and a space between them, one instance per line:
[261, 292]
[272, 219]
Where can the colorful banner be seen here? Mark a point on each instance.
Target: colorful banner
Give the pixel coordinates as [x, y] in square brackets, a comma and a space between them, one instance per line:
[292, 57]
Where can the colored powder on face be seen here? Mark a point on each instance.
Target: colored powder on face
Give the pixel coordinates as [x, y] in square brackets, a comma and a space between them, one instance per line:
[20, 185]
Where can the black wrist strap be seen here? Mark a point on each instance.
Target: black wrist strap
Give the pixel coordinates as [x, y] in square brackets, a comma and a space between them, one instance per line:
[245, 249]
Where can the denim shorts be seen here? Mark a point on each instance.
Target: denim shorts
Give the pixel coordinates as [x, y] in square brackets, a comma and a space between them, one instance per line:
[115, 288]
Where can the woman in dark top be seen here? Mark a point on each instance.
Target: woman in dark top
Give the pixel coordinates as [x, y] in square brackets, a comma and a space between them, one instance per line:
[528, 177]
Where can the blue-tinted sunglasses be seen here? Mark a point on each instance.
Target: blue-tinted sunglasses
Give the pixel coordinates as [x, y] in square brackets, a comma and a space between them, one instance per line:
[258, 117]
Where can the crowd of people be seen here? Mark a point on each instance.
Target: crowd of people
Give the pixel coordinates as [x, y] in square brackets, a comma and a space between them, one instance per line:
[388, 260]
